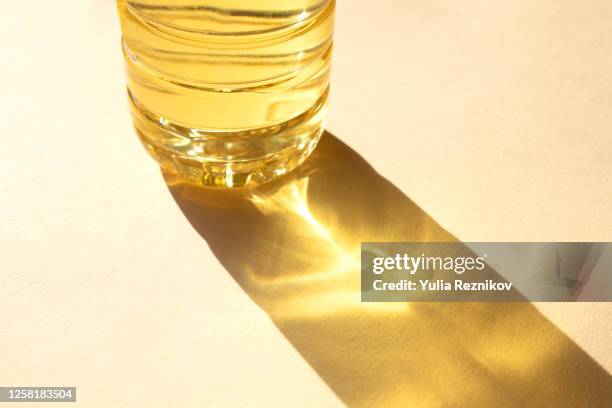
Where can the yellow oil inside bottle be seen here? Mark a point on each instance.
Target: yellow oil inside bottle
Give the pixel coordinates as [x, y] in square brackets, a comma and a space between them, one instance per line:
[228, 92]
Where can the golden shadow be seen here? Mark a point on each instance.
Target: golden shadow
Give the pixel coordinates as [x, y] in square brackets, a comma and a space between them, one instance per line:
[294, 247]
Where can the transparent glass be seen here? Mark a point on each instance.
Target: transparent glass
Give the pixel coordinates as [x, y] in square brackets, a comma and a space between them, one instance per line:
[228, 92]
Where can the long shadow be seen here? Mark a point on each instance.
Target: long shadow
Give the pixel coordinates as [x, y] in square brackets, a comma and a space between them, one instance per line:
[293, 246]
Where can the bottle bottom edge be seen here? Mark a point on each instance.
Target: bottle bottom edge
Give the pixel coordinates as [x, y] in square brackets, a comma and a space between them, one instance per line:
[230, 159]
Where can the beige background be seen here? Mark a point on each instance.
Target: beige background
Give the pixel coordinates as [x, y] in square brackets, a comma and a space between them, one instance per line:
[493, 117]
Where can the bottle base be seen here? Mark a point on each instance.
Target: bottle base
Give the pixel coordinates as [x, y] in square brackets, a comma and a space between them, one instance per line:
[229, 159]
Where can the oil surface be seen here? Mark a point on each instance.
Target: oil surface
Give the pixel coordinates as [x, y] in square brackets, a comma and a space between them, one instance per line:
[228, 88]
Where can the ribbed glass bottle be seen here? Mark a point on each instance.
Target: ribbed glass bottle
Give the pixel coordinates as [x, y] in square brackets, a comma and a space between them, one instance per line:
[228, 92]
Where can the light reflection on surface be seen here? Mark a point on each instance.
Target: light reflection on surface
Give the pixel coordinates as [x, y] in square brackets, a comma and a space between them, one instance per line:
[293, 246]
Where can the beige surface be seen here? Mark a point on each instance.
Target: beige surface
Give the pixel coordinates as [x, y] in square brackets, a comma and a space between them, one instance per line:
[494, 118]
